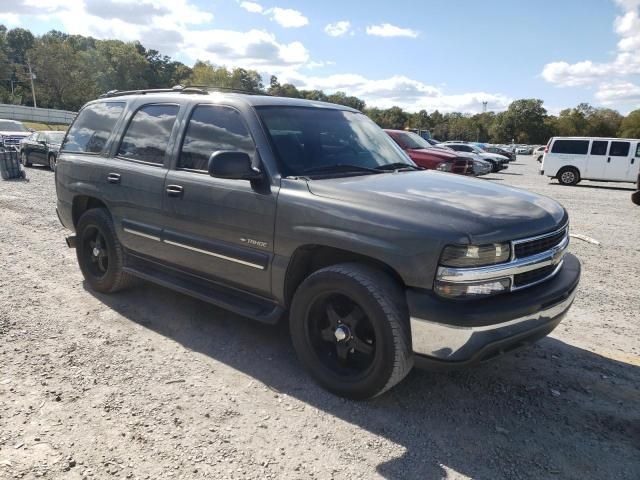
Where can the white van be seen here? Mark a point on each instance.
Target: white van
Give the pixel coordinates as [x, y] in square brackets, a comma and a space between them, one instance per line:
[571, 159]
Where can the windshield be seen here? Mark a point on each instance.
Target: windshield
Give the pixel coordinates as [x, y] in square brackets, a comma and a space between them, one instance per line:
[12, 126]
[475, 149]
[55, 137]
[307, 139]
[413, 140]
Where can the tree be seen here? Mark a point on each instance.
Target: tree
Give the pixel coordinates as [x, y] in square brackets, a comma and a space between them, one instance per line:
[342, 98]
[630, 126]
[524, 121]
[19, 41]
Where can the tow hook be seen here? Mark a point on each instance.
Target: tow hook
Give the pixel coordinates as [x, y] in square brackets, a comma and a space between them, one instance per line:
[71, 241]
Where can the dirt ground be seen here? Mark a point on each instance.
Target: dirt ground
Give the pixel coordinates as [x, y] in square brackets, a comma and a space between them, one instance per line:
[152, 384]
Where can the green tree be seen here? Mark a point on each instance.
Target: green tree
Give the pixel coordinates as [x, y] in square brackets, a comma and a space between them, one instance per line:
[342, 98]
[524, 121]
[630, 126]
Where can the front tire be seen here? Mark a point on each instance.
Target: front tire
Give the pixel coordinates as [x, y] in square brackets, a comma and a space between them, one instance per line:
[569, 176]
[52, 162]
[100, 254]
[24, 159]
[350, 328]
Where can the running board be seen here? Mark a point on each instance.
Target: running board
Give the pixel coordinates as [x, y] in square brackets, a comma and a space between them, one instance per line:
[237, 301]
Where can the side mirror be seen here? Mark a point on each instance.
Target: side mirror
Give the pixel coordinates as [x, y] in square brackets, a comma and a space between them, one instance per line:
[232, 165]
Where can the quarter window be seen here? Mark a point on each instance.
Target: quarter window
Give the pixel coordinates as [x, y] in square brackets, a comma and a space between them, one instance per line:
[573, 147]
[148, 134]
[638, 150]
[210, 129]
[91, 129]
[619, 149]
[599, 147]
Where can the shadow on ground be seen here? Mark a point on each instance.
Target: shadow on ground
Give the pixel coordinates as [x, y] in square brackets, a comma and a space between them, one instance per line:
[600, 187]
[551, 411]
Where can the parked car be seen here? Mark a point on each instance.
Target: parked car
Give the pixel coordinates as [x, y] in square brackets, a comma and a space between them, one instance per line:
[481, 167]
[539, 153]
[500, 151]
[281, 208]
[11, 132]
[499, 162]
[573, 159]
[635, 197]
[41, 148]
[426, 156]
[524, 149]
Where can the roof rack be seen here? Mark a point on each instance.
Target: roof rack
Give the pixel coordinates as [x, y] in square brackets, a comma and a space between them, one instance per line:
[197, 89]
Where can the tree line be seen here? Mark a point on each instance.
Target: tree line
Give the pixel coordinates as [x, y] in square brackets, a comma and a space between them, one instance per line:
[69, 70]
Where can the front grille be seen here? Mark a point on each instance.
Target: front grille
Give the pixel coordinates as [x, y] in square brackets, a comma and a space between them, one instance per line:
[532, 247]
[12, 140]
[527, 278]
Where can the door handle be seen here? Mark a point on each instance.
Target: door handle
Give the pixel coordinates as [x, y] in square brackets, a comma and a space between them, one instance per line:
[608, 159]
[633, 160]
[113, 178]
[175, 190]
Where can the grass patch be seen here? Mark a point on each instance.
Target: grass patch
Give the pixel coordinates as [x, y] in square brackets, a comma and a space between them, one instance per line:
[45, 126]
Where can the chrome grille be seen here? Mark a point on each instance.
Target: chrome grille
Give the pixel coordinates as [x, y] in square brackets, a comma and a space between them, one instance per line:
[9, 140]
[526, 248]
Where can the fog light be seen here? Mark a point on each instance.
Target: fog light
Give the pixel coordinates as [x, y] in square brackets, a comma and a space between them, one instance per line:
[472, 290]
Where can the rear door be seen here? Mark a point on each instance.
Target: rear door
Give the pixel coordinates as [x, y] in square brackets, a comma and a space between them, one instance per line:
[619, 161]
[134, 177]
[597, 161]
[220, 228]
[39, 149]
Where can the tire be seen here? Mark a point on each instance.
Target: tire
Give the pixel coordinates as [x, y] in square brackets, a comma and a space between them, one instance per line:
[104, 275]
[52, 162]
[382, 330]
[24, 159]
[568, 176]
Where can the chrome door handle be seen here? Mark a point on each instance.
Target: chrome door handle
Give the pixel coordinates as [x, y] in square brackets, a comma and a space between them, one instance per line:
[175, 190]
[113, 178]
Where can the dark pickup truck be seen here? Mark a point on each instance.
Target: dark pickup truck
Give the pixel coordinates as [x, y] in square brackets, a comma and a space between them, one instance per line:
[279, 208]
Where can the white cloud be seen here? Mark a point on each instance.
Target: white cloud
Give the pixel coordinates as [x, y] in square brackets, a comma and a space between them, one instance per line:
[252, 7]
[287, 17]
[618, 93]
[411, 95]
[9, 19]
[607, 75]
[388, 30]
[338, 29]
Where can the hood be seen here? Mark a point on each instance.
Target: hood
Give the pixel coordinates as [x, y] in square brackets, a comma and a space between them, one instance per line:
[456, 208]
[14, 134]
[493, 156]
[432, 152]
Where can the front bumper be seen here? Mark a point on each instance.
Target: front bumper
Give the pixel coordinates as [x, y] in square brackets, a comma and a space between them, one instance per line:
[447, 333]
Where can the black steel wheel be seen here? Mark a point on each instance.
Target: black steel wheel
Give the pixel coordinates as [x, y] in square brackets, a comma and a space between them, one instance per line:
[100, 254]
[350, 327]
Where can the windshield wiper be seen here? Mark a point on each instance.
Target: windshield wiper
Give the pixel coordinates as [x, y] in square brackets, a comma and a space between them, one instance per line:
[341, 167]
[397, 166]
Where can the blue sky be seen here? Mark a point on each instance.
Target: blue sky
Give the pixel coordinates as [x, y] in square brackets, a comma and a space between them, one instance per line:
[450, 55]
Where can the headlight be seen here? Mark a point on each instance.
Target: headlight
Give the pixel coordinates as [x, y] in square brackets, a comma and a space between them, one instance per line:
[475, 255]
[472, 290]
[444, 167]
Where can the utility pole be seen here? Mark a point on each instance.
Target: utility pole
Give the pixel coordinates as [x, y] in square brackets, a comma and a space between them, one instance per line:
[33, 90]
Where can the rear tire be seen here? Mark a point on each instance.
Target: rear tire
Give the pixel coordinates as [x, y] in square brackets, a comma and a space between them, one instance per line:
[24, 159]
[568, 176]
[349, 325]
[100, 254]
[52, 162]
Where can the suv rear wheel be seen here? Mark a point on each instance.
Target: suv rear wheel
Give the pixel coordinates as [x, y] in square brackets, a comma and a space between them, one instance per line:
[100, 254]
[569, 176]
[24, 158]
[350, 328]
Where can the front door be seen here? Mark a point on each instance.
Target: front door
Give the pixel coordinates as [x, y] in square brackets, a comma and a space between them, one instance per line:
[597, 161]
[217, 227]
[619, 161]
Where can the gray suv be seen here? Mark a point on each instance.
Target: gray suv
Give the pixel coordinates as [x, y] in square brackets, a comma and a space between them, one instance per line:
[278, 208]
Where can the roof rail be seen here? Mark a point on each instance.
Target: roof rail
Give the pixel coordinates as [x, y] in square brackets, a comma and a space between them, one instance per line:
[176, 89]
[200, 89]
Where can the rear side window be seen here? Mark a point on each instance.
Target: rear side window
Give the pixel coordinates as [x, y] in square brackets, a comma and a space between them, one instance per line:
[210, 129]
[92, 127]
[638, 150]
[574, 147]
[599, 147]
[619, 149]
[148, 133]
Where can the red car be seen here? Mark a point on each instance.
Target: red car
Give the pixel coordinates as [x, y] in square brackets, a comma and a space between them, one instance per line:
[426, 156]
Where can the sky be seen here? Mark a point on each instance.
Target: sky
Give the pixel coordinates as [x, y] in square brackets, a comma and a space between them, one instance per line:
[449, 55]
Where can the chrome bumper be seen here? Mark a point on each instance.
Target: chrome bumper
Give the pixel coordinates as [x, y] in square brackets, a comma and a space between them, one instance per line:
[451, 343]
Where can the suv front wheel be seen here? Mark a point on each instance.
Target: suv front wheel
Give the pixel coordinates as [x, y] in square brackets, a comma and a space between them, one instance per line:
[100, 254]
[350, 327]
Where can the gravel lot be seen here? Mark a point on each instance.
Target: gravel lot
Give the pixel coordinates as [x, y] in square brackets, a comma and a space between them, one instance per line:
[153, 384]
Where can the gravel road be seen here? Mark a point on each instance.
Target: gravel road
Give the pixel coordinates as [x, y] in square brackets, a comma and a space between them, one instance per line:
[152, 384]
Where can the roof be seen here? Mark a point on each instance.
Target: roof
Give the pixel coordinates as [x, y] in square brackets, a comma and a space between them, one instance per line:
[596, 138]
[197, 96]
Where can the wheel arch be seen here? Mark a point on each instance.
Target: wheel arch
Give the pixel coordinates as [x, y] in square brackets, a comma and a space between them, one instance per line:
[310, 258]
[82, 203]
